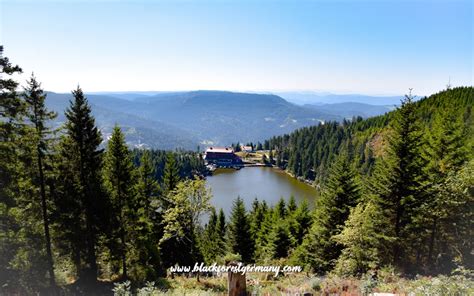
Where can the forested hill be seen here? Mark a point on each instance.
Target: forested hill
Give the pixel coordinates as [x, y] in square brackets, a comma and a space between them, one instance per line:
[307, 152]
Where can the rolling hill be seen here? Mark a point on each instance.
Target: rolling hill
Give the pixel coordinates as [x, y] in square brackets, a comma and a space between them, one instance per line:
[169, 120]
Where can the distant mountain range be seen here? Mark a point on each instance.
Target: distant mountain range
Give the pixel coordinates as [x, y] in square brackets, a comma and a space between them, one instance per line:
[350, 109]
[168, 120]
[315, 98]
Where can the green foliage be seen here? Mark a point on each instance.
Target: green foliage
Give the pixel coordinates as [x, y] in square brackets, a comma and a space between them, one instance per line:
[80, 200]
[399, 177]
[340, 194]
[187, 202]
[212, 239]
[171, 173]
[119, 182]
[240, 237]
[11, 112]
[39, 138]
[367, 241]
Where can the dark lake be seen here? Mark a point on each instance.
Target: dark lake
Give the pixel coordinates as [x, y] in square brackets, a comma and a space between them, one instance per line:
[265, 183]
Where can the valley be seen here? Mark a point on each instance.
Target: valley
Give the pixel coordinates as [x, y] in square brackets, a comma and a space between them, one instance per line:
[170, 120]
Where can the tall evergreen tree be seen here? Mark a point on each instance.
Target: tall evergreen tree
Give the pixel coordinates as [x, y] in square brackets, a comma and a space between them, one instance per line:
[171, 173]
[11, 131]
[398, 177]
[291, 207]
[118, 177]
[150, 216]
[221, 227]
[39, 117]
[239, 232]
[340, 194]
[446, 152]
[147, 186]
[279, 240]
[81, 201]
[280, 209]
[300, 222]
[212, 242]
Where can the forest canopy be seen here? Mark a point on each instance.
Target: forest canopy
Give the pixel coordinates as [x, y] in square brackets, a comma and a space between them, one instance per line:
[396, 191]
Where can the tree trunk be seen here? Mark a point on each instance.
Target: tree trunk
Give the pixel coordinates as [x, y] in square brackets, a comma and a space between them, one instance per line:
[432, 242]
[47, 236]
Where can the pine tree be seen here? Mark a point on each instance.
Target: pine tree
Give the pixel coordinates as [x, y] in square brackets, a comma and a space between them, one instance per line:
[263, 238]
[118, 177]
[148, 188]
[446, 152]
[453, 210]
[291, 207]
[256, 217]
[12, 228]
[81, 202]
[212, 241]
[280, 209]
[39, 116]
[398, 178]
[11, 113]
[221, 227]
[208, 241]
[149, 225]
[239, 232]
[366, 238]
[302, 222]
[340, 194]
[171, 173]
[279, 241]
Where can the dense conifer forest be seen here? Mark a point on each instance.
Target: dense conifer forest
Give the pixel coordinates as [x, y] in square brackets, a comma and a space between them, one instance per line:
[396, 192]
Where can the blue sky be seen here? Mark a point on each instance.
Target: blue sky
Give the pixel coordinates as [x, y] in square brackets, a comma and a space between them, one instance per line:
[371, 47]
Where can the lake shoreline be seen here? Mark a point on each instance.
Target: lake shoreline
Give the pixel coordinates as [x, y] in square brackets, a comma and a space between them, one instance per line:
[261, 182]
[249, 165]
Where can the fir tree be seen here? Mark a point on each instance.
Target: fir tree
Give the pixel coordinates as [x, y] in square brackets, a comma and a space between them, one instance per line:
[148, 189]
[291, 207]
[279, 241]
[149, 224]
[212, 241]
[118, 177]
[82, 201]
[239, 232]
[171, 173]
[398, 177]
[340, 194]
[20, 238]
[280, 209]
[221, 227]
[300, 222]
[39, 117]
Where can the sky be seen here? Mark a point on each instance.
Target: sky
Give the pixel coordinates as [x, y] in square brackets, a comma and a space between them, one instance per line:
[370, 47]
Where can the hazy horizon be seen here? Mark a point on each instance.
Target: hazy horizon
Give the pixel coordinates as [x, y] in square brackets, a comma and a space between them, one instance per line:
[342, 47]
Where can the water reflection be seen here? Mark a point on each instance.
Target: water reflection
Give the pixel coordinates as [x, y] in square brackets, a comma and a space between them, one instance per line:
[265, 183]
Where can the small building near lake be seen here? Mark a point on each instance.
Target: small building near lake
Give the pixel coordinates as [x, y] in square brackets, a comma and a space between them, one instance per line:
[222, 157]
[246, 148]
